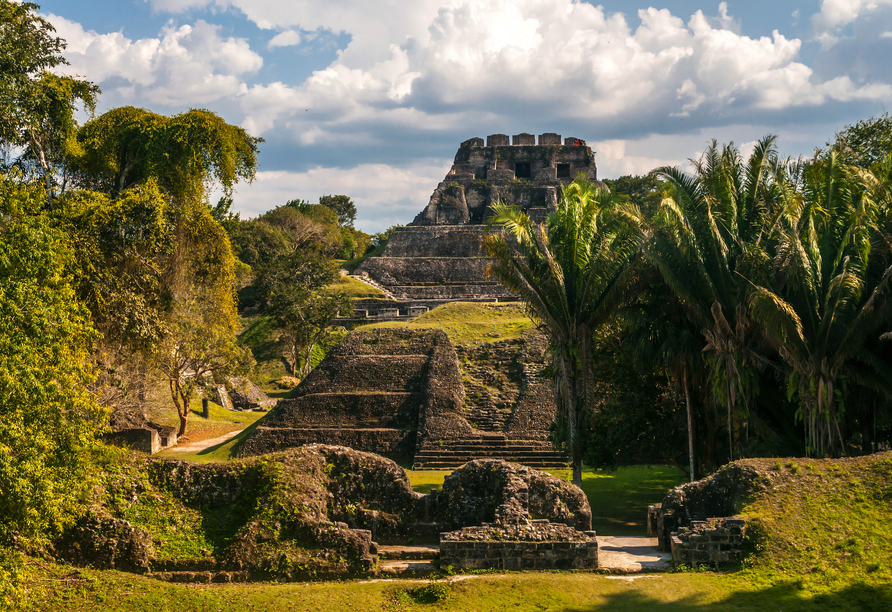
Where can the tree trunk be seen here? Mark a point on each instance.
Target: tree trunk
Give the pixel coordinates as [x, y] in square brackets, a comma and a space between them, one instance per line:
[687, 398]
[308, 360]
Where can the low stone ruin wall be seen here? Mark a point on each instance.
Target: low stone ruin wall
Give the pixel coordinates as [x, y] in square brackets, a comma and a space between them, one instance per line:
[717, 540]
[538, 545]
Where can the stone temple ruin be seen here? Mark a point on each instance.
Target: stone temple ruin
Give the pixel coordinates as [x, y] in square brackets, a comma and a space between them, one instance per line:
[440, 257]
[412, 395]
[402, 393]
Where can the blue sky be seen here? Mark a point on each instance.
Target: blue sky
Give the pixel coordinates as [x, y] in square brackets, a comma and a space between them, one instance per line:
[372, 97]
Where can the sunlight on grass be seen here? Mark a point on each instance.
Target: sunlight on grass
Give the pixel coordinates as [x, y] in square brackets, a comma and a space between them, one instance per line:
[469, 323]
[618, 499]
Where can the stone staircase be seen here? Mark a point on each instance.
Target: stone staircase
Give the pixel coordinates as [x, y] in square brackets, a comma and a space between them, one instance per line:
[451, 454]
[489, 418]
[408, 561]
[365, 278]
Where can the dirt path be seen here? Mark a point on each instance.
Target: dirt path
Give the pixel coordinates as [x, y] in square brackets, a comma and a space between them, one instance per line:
[631, 555]
[194, 447]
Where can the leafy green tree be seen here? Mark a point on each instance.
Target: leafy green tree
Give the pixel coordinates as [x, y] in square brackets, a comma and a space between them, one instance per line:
[571, 273]
[37, 107]
[343, 207]
[127, 146]
[865, 143]
[49, 421]
[292, 287]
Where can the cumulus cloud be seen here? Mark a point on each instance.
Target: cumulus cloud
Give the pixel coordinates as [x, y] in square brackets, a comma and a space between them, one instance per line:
[186, 65]
[836, 14]
[384, 195]
[288, 38]
[525, 58]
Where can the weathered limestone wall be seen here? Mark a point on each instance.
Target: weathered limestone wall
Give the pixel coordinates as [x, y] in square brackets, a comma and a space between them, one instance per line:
[386, 442]
[426, 270]
[717, 540]
[444, 241]
[539, 545]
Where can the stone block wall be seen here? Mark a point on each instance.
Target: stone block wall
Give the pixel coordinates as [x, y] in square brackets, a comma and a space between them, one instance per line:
[523, 139]
[379, 391]
[426, 270]
[715, 540]
[139, 439]
[497, 140]
[368, 373]
[536, 545]
[368, 409]
[549, 138]
[436, 241]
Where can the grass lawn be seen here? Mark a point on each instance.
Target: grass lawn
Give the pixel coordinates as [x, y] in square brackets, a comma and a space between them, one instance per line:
[471, 323]
[545, 591]
[353, 288]
[619, 498]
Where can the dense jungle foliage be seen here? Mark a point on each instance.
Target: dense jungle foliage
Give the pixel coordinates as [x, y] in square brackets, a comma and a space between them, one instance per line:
[740, 310]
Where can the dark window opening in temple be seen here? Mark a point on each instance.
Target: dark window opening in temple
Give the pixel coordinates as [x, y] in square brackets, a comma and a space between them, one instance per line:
[563, 170]
[522, 170]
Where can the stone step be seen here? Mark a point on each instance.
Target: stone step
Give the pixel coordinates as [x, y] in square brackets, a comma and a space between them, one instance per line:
[407, 553]
[206, 577]
[484, 447]
[415, 568]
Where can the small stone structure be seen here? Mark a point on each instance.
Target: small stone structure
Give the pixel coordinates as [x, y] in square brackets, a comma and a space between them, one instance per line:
[536, 545]
[318, 511]
[717, 540]
[698, 521]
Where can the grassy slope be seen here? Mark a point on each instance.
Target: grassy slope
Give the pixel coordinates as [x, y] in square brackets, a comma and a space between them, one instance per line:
[353, 288]
[470, 323]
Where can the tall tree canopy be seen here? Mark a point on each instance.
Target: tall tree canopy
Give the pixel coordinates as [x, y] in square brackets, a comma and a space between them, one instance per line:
[37, 107]
[126, 146]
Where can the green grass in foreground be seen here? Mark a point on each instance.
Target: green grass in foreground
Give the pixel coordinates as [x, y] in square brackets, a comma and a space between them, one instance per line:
[470, 322]
[619, 499]
[557, 592]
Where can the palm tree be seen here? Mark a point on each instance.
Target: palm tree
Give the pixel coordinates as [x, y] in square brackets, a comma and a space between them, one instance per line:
[571, 272]
[701, 240]
[829, 298]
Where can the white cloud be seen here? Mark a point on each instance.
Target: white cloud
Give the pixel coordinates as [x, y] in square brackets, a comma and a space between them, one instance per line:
[186, 65]
[384, 195]
[836, 14]
[554, 58]
[288, 38]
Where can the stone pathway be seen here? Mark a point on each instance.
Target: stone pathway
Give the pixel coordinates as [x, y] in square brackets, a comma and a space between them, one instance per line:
[631, 555]
[194, 447]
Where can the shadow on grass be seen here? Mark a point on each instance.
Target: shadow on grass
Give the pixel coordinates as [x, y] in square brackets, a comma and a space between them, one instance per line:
[788, 597]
